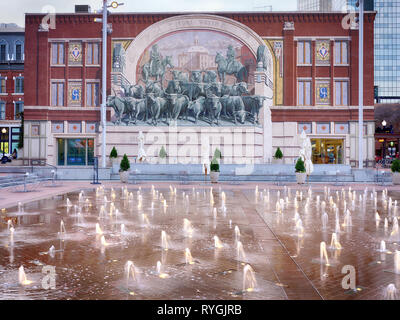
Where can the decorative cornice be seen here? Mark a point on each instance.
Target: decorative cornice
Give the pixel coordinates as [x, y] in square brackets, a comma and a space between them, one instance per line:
[249, 17]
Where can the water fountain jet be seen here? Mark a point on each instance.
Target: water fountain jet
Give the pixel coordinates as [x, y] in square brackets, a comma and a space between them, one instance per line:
[249, 279]
[98, 229]
[188, 257]
[325, 219]
[23, 280]
[164, 240]
[129, 270]
[240, 255]
[335, 244]
[323, 254]
[52, 251]
[382, 246]
[159, 271]
[237, 234]
[62, 229]
[390, 292]
[187, 228]
[103, 241]
[347, 219]
[397, 262]
[217, 243]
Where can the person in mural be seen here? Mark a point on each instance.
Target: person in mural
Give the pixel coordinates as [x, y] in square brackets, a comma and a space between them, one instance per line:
[155, 60]
[230, 56]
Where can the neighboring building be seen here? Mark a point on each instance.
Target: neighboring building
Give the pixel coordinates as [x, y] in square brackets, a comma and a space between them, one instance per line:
[387, 51]
[324, 5]
[333, 5]
[387, 136]
[314, 5]
[12, 56]
[312, 75]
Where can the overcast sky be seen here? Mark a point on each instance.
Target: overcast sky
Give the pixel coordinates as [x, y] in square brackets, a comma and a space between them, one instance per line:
[14, 10]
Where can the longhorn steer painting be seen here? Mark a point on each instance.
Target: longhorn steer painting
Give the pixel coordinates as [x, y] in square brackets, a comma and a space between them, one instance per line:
[200, 77]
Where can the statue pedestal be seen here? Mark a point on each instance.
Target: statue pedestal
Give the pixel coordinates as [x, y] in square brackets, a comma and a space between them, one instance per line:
[188, 144]
[262, 88]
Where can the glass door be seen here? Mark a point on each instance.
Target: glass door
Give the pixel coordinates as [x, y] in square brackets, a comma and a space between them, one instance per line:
[327, 151]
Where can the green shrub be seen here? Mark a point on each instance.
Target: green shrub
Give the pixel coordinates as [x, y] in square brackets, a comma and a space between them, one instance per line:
[278, 154]
[217, 154]
[214, 166]
[125, 165]
[395, 165]
[300, 165]
[113, 153]
[162, 154]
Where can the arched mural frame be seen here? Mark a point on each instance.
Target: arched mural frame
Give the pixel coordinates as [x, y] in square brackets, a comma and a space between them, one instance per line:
[189, 22]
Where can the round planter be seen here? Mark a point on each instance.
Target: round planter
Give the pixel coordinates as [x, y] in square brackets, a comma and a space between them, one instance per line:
[162, 160]
[396, 178]
[277, 161]
[115, 162]
[20, 153]
[214, 176]
[124, 176]
[301, 177]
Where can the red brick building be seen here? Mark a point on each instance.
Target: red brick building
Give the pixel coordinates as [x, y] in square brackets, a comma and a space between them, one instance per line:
[315, 80]
[11, 85]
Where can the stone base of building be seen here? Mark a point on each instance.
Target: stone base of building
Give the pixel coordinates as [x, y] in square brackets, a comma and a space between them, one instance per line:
[194, 145]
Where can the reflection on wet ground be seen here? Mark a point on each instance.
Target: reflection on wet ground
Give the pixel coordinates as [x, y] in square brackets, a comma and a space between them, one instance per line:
[202, 243]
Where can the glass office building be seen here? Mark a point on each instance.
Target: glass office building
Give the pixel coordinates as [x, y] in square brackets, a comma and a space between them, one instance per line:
[324, 5]
[387, 50]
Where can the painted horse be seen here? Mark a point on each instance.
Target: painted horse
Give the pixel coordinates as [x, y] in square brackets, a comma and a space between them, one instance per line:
[158, 72]
[233, 68]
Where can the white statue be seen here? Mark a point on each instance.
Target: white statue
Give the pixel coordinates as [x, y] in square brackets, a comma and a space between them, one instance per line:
[306, 152]
[205, 157]
[141, 152]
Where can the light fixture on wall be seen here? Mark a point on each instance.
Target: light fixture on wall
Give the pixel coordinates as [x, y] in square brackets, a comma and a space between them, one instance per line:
[384, 123]
[3, 140]
[115, 4]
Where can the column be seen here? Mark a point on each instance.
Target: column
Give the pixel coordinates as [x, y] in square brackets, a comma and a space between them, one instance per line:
[262, 88]
[289, 65]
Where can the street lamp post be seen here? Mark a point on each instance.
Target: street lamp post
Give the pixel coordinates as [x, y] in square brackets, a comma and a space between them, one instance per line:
[104, 86]
[360, 84]
[114, 5]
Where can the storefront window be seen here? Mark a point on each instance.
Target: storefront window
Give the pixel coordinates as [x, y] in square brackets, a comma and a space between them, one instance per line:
[387, 148]
[61, 152]
[5, 141]
[327, 151]
[75, 152]
[90, 153]
[15, 132]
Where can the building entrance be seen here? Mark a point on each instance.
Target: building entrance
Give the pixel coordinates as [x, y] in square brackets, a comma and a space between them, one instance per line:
[327, 151]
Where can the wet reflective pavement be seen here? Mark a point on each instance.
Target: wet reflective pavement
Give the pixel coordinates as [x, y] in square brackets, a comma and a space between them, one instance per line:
[285, 260]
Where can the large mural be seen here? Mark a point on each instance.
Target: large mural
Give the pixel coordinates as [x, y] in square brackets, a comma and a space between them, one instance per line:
[199, 51]
[187, 77]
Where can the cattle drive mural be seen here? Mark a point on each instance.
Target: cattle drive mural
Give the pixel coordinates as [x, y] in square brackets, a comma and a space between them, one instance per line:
[210, 82]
